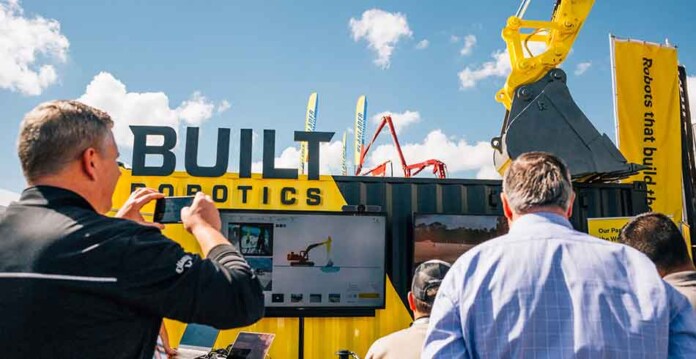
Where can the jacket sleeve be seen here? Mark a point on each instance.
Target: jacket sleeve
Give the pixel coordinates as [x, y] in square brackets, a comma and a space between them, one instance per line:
[159, 277]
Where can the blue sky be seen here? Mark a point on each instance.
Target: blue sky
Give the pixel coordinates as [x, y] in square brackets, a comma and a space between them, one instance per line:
[253, 65]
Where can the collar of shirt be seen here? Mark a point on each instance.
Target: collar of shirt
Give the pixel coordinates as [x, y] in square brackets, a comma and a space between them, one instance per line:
[681, 276]
[52, 196]
[421, 320]
[530, 219]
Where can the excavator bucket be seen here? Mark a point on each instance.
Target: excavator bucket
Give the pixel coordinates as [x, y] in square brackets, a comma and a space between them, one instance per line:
[544, 117]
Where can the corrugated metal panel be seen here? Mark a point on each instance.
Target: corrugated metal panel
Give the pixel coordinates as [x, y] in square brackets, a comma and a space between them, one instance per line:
[400, 198]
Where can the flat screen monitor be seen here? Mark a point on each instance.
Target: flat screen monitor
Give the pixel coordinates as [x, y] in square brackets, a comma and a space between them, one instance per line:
[313, 263]
[448, 236]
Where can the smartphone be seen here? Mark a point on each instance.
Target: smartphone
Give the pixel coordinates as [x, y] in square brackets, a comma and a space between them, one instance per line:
[168, 209]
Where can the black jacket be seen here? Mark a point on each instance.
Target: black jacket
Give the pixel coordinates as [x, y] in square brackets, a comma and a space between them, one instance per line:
[77, 284]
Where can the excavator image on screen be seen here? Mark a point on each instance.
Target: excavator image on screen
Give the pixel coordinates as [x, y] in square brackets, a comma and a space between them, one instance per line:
[541, 114]
[301, 259]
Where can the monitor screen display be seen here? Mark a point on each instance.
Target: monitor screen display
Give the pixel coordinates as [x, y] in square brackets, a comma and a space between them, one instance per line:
[448, 236]
[313, 260]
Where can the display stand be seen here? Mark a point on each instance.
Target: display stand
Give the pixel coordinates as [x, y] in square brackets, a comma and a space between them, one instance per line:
[300, 350]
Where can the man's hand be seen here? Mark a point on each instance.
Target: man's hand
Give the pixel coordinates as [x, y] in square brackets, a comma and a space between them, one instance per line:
[201, 214]
[136, 201]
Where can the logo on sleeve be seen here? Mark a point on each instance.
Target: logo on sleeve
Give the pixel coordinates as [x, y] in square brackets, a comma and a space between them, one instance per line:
[184, 263]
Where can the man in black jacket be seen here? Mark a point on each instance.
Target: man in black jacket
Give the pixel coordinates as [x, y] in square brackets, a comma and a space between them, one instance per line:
[77, 284]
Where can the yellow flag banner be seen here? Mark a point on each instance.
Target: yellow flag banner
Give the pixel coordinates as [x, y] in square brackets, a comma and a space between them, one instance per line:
[648, 122]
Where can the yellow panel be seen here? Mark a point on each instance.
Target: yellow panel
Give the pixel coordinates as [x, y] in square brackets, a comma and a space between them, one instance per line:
[648, 120]
[286, 330]
[686, 232]
[325, 336]
[606, 228]
[331, 197]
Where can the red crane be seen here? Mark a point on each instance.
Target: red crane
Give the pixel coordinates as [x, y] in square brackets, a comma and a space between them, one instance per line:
[439, 167]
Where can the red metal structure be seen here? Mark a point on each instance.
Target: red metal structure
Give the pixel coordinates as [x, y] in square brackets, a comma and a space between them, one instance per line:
[439, 167]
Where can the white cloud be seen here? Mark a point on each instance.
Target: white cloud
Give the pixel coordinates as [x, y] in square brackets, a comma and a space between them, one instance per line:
[141, 108]
[330, 159]
[223, 106]
[691, 88]
[24, 42]
[499, 67]
[582, 67]
[6, 197]
[382, 30]
[196, 110]
[488, 172]
[400, 120]
[289, 158]
[469, 43]
[455, 152]
[454, 38]
[423, 44]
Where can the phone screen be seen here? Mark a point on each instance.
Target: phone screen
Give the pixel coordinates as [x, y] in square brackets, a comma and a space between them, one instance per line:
[168, 209]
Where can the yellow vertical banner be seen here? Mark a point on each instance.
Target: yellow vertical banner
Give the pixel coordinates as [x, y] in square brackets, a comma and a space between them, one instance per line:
[648, 121]
[310, 125]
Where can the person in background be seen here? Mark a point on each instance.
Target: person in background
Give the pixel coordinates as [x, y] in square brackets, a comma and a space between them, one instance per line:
[658, 237]
[78, 284]
[545, 290]
[407, 343]
[163, 349]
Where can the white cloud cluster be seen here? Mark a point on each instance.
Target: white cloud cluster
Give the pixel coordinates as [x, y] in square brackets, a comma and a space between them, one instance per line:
[469, 43]
[142, 108]
[382, 30]
[400, 120]
[7, 197]
[330, 159]
[423, 44]
[457, 154]
[196, 110]
[223, 106]
[582, 67]
[499, 67]
[27, 48]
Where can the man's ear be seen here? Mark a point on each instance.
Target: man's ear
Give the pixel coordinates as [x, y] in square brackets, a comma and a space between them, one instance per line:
[507, 211]
[411, 301]
[569, 211]
[89, 163]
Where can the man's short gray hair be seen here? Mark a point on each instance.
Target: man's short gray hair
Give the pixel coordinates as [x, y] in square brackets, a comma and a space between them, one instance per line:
[535, 180]
[56, 133]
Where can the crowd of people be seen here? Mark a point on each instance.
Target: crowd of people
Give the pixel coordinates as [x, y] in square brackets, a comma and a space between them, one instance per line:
[545, 290]
[89, 285]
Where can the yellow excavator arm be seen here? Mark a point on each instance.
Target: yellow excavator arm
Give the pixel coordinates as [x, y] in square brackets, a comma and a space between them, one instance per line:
[557, 35]
[541, 114]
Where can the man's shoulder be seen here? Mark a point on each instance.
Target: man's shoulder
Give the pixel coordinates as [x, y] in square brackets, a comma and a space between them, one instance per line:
[402, 336]
[535, 243]
[394, 341]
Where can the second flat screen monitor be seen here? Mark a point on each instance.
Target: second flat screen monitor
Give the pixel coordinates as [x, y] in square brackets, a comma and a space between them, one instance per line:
[448, 236]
